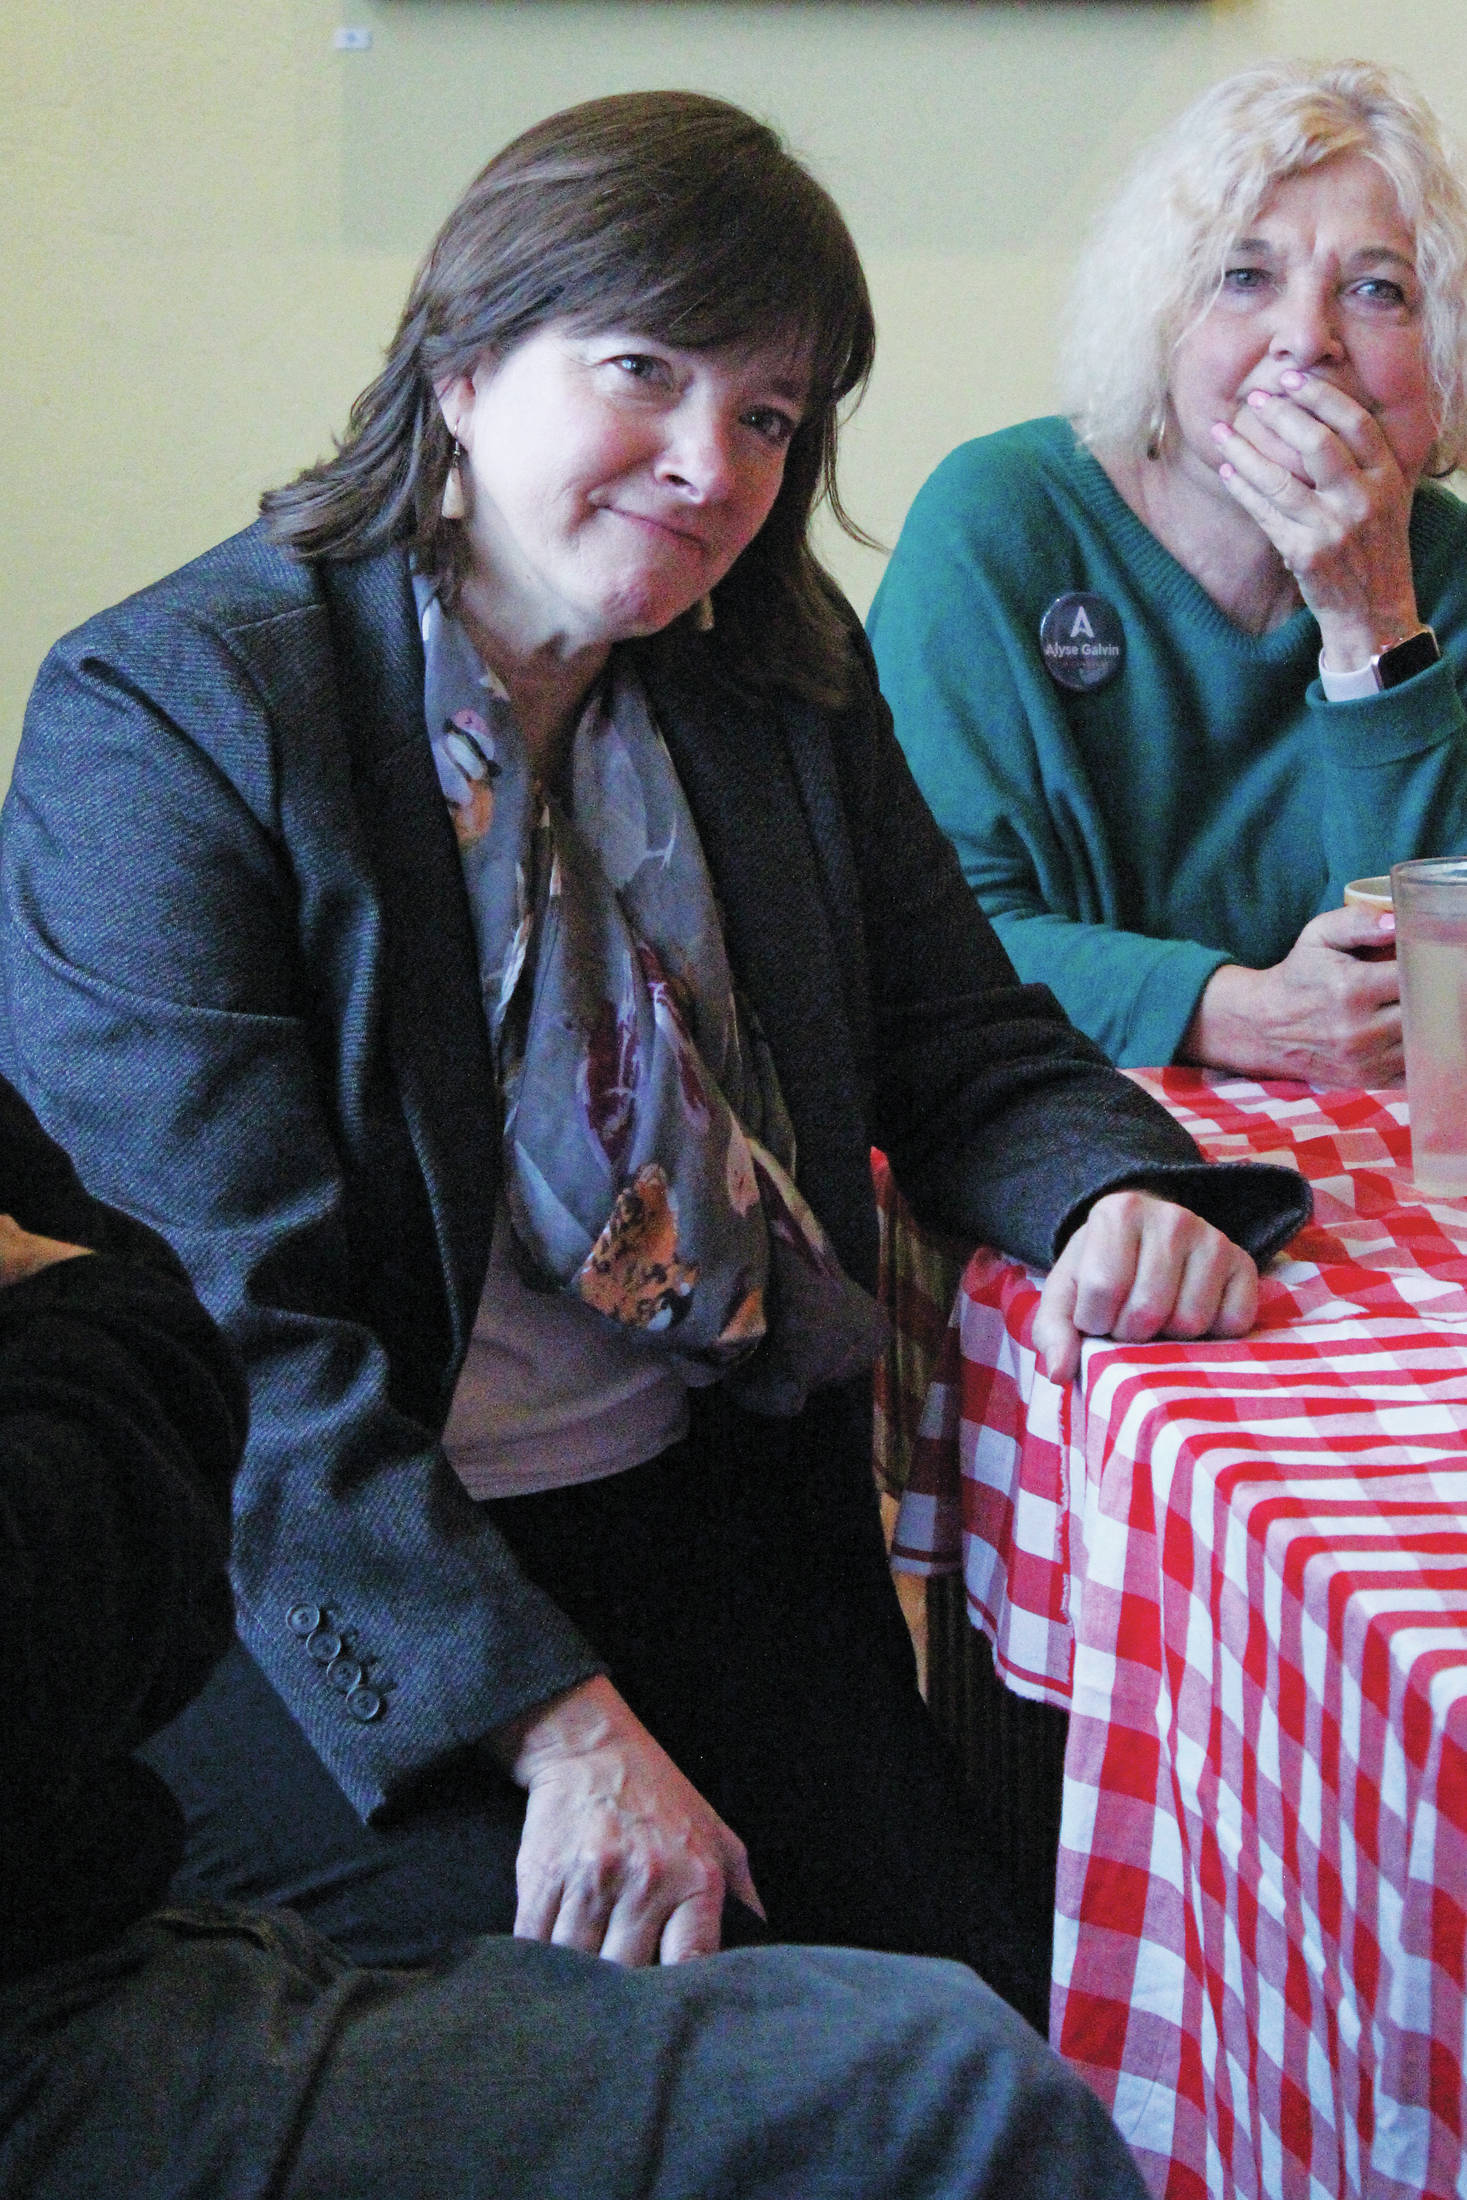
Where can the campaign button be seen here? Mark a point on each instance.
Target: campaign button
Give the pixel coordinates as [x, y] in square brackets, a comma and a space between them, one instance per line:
[1082, 639]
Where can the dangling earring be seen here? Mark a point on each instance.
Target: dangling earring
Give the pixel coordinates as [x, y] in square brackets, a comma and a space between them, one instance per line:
[703, 615]
[455, 504]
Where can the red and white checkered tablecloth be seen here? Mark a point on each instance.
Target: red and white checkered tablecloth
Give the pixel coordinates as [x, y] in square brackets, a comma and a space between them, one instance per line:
[1242, 1568]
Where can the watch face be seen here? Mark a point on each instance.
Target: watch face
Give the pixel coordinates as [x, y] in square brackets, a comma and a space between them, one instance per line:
[1406, 659]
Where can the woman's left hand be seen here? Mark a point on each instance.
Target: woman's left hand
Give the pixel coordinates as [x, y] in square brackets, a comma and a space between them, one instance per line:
[1315, 470]
[1140, 1267]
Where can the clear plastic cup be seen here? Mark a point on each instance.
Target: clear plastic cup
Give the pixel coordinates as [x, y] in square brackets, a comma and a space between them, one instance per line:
[1430, 899]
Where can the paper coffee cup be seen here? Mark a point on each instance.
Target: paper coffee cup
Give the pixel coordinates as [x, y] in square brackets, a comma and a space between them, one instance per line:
[1370, 893]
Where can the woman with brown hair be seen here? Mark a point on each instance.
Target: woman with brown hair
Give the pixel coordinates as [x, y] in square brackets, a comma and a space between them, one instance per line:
[480, 916]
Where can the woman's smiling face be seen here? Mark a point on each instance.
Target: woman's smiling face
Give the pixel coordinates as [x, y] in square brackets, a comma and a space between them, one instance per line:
[1324, 281]
[614, 478]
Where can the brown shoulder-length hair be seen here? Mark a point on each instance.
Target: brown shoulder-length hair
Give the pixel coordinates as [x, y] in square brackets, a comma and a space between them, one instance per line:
[672, 216]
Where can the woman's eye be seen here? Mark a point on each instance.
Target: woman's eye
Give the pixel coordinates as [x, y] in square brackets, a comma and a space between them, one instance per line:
[775, 426]
[1379, 290]
[1244, 279]
[639, 366]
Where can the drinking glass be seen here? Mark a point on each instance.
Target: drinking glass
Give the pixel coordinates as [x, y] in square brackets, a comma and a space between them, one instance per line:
[1431, 947]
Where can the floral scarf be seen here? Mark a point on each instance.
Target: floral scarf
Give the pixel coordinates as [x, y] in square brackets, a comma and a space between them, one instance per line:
[649, 1160]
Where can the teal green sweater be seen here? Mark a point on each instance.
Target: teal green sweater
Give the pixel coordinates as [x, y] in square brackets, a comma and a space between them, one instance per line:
[1199, 808]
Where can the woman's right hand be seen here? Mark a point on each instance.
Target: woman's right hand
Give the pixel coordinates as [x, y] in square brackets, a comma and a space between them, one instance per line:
[1327, 1013]
[620, 1854]
[1315, 470]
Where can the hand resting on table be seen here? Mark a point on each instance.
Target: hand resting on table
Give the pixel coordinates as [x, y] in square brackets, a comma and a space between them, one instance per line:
[1140, 1267]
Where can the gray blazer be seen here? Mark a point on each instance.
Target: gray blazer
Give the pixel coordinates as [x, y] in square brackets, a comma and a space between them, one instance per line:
[239, 986]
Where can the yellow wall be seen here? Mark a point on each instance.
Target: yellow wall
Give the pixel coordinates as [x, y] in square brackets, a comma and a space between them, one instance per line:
[210, 215]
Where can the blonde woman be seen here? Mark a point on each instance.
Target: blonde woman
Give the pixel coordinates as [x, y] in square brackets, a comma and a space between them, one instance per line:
[1172, 669]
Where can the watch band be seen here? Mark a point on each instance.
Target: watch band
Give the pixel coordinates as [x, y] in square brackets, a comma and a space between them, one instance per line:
[1398, 661]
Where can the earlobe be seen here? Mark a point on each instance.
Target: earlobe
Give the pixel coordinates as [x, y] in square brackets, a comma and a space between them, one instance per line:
[455, 397]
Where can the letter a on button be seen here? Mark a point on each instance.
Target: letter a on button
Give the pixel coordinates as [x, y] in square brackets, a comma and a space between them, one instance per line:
[1082, 640]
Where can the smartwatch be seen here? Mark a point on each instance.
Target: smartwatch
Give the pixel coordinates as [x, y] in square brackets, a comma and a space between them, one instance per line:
[1398, 661]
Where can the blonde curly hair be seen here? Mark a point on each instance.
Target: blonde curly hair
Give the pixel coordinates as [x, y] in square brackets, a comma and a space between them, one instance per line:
[1157, 255]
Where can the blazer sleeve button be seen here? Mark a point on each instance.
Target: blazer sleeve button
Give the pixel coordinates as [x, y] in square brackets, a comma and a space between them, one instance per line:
[303, 1619]
[323, 1645]
[345, 1674]
[364, 1704]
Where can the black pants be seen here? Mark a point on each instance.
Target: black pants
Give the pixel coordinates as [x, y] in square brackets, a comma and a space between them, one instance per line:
[738, 1590]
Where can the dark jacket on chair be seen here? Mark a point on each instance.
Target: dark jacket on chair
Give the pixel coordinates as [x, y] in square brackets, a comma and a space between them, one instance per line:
[121, 1422]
